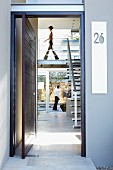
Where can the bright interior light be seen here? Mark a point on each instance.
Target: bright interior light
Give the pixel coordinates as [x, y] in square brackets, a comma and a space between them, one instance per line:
[57, 138]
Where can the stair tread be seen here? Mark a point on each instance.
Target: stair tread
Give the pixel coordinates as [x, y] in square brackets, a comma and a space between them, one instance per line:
[78, 126]
[75, 80]
[78, 119]
[78, 112]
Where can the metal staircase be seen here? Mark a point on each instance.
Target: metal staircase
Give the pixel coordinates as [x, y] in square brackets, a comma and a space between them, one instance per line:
[74, 75]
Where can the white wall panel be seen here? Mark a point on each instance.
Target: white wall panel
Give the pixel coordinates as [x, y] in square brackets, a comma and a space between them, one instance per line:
[99, 57]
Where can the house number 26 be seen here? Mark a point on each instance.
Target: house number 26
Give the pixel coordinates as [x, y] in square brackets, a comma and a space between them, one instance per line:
[99, 38]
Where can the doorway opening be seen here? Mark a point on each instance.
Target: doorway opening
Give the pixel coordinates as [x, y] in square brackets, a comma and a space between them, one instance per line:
[42, 76]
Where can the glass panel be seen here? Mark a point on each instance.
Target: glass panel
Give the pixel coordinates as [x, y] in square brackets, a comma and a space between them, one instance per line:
[41, 93]
[60, 39]
[59, 43]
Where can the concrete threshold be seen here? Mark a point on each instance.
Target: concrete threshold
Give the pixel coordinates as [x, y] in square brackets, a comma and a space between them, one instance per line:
[49, 163]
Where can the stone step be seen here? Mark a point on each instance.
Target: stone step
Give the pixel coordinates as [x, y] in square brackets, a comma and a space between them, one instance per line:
[62, 162]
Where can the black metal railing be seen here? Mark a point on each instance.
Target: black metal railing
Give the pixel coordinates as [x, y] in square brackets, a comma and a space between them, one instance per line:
[71, 65]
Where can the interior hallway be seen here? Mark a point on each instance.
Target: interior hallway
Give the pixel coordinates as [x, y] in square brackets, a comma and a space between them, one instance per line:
[57, 146]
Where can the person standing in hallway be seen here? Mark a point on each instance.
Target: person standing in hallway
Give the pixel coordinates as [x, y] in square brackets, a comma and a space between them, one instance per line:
[57, 98]
[50, 44]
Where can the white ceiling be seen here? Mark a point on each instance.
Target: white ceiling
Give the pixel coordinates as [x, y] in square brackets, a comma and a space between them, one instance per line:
[59, 23]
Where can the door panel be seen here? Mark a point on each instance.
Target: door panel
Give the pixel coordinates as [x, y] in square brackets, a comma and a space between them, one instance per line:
[28, 85]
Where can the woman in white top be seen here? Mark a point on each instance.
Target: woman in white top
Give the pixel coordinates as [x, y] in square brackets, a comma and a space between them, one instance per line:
[56, 95]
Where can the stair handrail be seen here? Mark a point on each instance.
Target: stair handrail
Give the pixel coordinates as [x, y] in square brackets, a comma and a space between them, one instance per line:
[74, 85]
[71, 65]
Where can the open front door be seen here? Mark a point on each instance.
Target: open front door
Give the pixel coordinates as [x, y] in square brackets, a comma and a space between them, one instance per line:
[28, 85]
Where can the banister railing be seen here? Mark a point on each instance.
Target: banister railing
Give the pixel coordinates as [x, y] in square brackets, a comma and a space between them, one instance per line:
[73, 83]
[71, 65]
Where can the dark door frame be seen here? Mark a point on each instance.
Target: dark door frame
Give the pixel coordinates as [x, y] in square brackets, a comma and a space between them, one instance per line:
[30, 14]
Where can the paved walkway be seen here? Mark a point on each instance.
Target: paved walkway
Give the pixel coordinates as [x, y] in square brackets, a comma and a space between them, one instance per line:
[57, 147]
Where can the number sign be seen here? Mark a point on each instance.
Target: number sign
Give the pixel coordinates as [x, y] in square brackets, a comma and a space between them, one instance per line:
[99, 57]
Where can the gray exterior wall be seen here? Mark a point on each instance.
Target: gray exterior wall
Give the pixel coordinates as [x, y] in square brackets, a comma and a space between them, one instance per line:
[99, 107]
[4, 80]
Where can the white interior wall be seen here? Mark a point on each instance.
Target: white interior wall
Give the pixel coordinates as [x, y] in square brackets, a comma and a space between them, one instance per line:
[4, 81]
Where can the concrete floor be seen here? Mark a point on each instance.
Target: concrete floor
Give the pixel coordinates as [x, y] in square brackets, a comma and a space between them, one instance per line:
[57, 146]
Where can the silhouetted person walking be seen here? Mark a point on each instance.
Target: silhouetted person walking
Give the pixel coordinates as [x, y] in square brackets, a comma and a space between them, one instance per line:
[50, 45]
